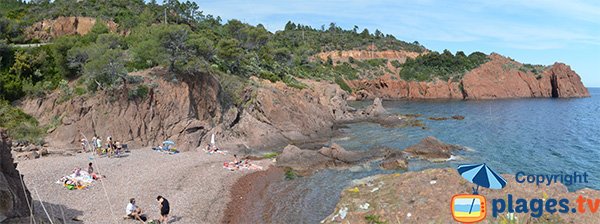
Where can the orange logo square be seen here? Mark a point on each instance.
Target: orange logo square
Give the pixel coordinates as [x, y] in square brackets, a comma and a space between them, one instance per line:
[468, 208]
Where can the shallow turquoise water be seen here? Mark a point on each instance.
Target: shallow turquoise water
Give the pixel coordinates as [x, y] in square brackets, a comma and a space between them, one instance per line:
[537, 136]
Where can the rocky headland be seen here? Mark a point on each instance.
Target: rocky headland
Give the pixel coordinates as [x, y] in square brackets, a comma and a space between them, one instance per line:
[500, 77]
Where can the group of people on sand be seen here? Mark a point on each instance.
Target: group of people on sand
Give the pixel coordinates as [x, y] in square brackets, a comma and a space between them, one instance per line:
[134, 212]
[111, 148]
[80, 179]
[240, 164]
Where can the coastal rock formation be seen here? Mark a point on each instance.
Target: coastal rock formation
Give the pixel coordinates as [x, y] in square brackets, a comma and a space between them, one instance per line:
[395, 161]
[501, 77]
[432, 149]
[272, 114]
[47, 29]
[306, 160]
[424, 197]
[14, 197]
[177, 111]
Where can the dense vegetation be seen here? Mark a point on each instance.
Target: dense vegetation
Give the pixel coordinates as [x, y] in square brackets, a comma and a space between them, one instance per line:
[444, 66]
[178, 36]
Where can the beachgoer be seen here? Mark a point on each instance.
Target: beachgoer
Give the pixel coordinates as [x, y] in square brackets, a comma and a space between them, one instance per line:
[94, 175]
[109, 146]
[118, 148]
[133, 211]
[235, 160]
[84, 144]
[99, 145]
[77, 171]
[164, 209]
[94, 142]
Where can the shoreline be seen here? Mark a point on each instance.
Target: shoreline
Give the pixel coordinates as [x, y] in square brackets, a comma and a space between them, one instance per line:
[248, 191]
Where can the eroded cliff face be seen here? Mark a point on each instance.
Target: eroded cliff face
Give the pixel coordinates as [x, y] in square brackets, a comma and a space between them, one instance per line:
[401, 56]
[14, 196]
[47, 29]
[279, 115]
[501, 77]
[188, 113]
[173, 110]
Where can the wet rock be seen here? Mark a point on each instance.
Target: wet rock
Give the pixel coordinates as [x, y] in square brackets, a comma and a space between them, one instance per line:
[395, 161]
[302, 160]
[337, 152]
[432, 149]
[438, 118]
[458, 117]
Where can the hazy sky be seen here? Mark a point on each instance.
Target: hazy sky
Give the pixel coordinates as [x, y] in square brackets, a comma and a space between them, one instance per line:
[530, 31]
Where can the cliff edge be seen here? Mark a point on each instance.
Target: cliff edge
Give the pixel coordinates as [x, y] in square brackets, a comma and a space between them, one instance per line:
[498, 78]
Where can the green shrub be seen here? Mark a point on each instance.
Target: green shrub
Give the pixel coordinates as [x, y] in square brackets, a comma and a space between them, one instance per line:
[20, 126]
[445, 66]
[270, 155]
[290, 174]
[374, 219]
[343, 84]
[140, 92]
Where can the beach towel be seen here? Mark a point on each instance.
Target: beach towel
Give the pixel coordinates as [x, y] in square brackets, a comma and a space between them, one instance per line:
[73, 181]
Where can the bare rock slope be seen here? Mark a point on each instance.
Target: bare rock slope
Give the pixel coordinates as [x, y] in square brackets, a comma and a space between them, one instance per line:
[272, 114]
[500, 77]
[47, 29]
[14, 197]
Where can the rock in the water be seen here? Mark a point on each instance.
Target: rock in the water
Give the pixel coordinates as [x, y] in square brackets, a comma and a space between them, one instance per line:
[432, 149]
[300, 159]
[337, 152]
[458, 117]
[13, 201]
[376, 109]
[395, 161]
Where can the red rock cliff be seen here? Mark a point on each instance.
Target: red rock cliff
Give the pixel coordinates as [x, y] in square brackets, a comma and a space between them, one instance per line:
[498, 78]
[47, 29]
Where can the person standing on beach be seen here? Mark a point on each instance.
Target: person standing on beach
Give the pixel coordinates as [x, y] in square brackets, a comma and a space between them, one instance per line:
[164, 209]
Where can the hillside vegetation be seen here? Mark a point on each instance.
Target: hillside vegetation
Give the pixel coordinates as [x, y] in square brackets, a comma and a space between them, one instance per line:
[178, 36]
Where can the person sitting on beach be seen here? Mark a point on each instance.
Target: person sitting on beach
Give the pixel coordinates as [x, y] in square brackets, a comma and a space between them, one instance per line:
[133, 211]
[118, 148]
[77, 171]
[93, 174]
[236, 162]
[164, 209]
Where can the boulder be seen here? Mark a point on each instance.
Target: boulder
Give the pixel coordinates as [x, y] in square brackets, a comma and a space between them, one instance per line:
[432, 149]
[337, 152]
[28, 155]
[376, 109]
[395, 161]
[13, 198]
[43, 152]
[301, 159]
[30, 148]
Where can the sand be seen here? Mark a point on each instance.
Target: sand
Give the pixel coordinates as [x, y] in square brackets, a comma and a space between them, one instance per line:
[195, 183]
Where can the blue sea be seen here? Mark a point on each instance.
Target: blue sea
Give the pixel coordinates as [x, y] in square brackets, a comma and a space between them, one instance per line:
[534, 136]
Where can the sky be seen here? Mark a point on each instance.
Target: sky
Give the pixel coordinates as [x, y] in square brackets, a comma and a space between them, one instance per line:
[529, 31]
